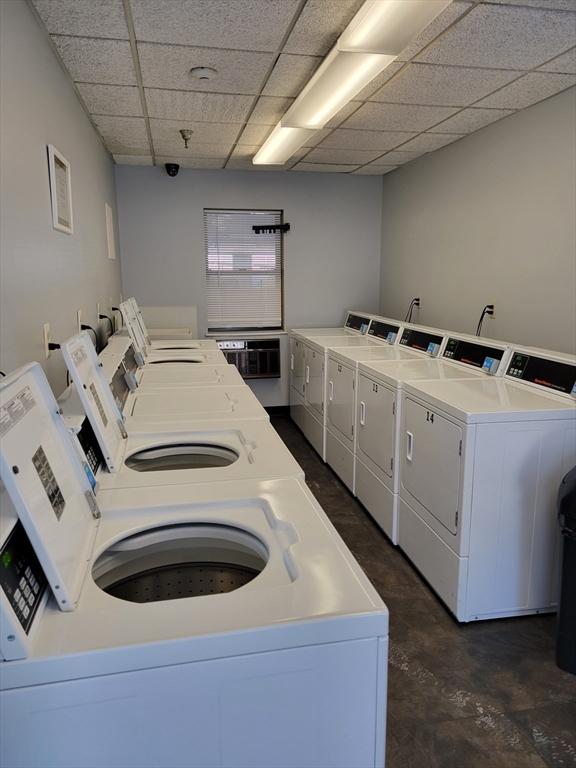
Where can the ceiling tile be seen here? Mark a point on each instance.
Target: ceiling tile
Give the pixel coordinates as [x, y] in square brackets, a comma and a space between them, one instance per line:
[528, 90]
[111, 99]
[168, 66]
[428, 142]
[345, 112]
[84, 17]
[208, 139]
[290, 74]
[202, 107]
[449, 86]
[269, 109]
[96, 61]
[503, 36]
[254, 134]
[342, 156]
[343, 138]
[561, 5]
[245, 151]
[249, 25]
[133, 159]
[565, 63]
[324, 168]
[319, 25]
[375, 170]
[397, 157]
[397, 117]
[193, 162]
[448, 16]
[380, 80]
[317, 137]
[124, 135]
[471, 120]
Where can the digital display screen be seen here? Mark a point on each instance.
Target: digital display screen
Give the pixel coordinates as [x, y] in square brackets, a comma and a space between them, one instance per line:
[357, 322]
[471, 353]
[419, 339]
[551, 374]
[383, 330]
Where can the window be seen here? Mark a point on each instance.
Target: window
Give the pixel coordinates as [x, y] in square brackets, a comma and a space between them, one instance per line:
[243, 270]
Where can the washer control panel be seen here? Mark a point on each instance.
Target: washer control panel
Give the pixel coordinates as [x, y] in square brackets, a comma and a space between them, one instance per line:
[551, 374]
[385, 331]
[421, 340]
[473, 354]
[357, 322]
[21, 576]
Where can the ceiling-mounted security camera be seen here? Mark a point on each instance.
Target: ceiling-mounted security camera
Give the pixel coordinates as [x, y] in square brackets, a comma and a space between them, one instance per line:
[172, 169]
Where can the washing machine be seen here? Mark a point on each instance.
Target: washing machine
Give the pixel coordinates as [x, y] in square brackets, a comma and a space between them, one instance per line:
[480, 465]
[379, 413]
[132, 315]
[397, 342]
[219, 624]
[210, 438]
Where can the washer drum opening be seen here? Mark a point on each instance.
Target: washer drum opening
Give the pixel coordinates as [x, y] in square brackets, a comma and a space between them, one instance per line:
[174, 562]
[163, 458]
[176, 360]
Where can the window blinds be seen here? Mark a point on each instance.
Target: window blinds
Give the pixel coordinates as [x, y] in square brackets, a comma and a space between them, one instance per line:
[243, 270]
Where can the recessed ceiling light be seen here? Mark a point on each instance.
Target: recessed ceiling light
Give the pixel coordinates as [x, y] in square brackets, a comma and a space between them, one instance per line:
[203, 73]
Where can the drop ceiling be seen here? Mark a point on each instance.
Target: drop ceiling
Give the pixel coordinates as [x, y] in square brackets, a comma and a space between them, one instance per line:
[130, 60]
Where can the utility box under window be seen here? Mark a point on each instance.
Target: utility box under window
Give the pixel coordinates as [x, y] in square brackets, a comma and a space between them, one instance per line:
[254, 358]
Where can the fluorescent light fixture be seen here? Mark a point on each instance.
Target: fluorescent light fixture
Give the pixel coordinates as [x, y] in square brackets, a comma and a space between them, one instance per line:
[338, 79]
[387, 26]
[281, 145]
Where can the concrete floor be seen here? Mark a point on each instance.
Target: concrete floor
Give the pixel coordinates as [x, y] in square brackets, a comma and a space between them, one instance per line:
[483, 695]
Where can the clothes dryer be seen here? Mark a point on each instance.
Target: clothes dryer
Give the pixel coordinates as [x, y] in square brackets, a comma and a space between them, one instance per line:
[481, 462]
[379, 413]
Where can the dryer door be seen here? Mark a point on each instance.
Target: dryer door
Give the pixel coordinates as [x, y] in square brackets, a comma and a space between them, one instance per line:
[376, 420]
[431, 462]
[297, 365]
[340, 405]
[314, 374]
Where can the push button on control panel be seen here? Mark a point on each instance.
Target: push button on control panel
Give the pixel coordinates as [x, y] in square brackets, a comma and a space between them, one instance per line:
[21, 576]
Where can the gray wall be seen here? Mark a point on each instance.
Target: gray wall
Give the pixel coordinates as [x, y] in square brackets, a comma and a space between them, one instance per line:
[332, 253]
[489, 219]
[46, 275]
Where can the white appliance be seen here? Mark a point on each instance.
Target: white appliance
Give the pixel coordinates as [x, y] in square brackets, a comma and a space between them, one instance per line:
[481, 462]
[355, 323]
[168, 353]
[397, 343]
[206, 447]
[132, 313]
[307, 382]
[183, 626]
[379, 412]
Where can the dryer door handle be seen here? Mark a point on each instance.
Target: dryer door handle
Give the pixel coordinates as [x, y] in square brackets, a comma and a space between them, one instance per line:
[409, 445]
[362, 413]
[330, 390]
[292, 362]
[307, 374]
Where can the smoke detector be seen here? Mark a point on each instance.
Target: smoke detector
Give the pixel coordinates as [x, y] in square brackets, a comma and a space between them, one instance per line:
[203, 73]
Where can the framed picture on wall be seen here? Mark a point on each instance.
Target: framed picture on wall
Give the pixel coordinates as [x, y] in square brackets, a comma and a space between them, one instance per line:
[60, 191]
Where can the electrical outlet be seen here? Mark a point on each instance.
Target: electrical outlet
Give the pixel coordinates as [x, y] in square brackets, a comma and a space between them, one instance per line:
[46, 332]
[79, 319]
[493, 315]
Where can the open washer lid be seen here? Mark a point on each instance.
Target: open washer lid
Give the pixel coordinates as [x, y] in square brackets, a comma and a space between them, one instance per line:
[96, 397]
[44, 476]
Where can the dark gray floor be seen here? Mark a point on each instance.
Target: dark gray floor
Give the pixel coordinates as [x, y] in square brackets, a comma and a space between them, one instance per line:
[483, 695]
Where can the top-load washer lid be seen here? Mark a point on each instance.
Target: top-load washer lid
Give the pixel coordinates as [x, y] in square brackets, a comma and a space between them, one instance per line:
[381, 352]
[96, 397]
[321, 343]
[47, 482]
[158, 377]
[395, 372]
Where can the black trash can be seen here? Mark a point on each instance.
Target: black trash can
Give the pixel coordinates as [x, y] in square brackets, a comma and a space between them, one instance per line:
[566, 640]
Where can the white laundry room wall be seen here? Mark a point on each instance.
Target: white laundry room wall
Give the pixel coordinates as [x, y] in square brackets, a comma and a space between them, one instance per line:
[489, 219]
[331, 254]
[46, 275]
